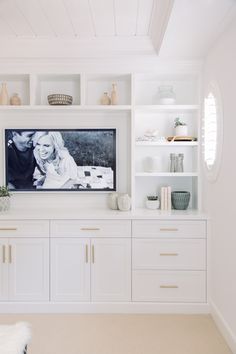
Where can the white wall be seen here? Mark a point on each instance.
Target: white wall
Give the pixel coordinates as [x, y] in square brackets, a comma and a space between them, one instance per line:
[220, 198]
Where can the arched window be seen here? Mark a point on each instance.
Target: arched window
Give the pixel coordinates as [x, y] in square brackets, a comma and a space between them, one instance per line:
[212, 132]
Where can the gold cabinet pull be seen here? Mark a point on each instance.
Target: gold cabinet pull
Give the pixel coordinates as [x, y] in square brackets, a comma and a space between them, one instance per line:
[169, 286]
[4, 254]
[90, 229]
[93, 257]
[169, 254]
[8, 228]
[86, 254]
[169, 229]
[10, 254]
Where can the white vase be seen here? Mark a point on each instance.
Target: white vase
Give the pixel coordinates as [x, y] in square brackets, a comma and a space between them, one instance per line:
[152, 164]
[181, 130]
[113, 201]
[124, 202]
[4, 203]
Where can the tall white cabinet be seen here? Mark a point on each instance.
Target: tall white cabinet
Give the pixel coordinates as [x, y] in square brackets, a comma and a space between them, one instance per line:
[80, 253]
[138, 110]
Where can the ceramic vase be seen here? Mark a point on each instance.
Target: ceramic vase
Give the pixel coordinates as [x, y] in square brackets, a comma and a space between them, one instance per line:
[4, 98]
[114, 98]
[15, 100]
[113, 201]
[105, 100]
[181, 130]
[124, 202]
[4, 203]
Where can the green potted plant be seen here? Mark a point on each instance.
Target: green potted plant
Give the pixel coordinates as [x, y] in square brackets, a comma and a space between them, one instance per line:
[4, 198]
[181, 128]
[152, 202]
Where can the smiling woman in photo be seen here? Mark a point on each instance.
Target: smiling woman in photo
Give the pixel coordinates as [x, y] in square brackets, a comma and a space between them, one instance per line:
[55, 168]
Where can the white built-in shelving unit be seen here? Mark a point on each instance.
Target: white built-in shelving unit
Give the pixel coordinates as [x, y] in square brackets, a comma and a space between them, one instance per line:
[138, 108]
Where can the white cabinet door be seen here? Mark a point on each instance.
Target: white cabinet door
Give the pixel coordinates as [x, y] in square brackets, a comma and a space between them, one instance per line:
[70, 269]
[28, 263]
[111, 269]
[3, 269]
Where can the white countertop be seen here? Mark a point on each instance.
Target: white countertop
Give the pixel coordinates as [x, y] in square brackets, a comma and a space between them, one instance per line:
[101, 214]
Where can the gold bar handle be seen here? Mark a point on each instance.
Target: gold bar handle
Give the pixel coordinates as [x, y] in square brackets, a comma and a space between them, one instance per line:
[169, 229]
[4, 254]
[169, 254]
[10, 254]
[8, 228]
[86, 254]
[169, 286]
[90, 229]
[93, 257]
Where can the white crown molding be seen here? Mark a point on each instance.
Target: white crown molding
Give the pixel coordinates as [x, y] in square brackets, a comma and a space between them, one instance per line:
[74, 47]
[140, 63]
[160, 18]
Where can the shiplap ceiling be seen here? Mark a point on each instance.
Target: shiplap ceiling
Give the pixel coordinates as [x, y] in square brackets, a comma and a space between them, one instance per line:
[103, 28]
[136, 24]
[75, 18]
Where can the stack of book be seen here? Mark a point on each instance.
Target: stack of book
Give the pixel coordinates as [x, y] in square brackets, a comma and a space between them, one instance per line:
[166, 198]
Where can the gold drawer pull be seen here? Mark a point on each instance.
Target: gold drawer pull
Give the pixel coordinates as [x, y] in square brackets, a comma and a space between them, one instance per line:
[169, 229]
[169, 254]
[8, 228]
[4, 254]
[86, 254]
[93, 257]
[90, 229]
[169, 286]
[10, 254]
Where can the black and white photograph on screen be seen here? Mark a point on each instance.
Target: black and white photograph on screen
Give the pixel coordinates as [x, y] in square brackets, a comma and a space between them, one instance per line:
[60, 159]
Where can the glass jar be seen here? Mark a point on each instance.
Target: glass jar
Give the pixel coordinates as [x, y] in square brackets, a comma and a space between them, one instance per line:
[166, 94]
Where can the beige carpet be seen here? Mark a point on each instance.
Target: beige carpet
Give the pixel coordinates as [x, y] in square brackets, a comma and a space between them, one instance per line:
[122, 334]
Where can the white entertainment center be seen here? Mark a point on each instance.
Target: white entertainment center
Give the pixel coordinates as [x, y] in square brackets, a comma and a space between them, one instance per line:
[67, 252]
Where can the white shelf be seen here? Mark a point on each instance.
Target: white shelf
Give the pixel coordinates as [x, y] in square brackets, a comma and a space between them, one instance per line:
[174, 107]
[169, 144]
[100, 108]
[166, 174]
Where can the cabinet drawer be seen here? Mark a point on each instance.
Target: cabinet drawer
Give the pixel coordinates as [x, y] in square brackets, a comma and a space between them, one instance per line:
[91, 228]
[175, 228]
[24, 228]
[169, 286]
[181, 254]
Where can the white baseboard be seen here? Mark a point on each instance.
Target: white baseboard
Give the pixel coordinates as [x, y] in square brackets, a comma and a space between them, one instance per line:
[223, 327]
[122, 307]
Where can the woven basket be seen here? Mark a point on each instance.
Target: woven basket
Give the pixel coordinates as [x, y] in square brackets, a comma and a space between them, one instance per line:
[180, 200]
[59, 99]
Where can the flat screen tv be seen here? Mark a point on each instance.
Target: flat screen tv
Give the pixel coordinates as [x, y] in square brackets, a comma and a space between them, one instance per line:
[60, 159]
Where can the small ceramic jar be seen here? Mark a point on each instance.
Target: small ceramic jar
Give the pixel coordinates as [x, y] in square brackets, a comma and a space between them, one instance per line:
[15, 100]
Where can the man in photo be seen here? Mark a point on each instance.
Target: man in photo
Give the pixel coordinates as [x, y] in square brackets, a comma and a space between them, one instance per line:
[21, 162]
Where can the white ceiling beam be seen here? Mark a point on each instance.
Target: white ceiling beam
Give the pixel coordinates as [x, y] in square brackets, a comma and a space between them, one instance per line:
[76, 47]
[160, 18]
